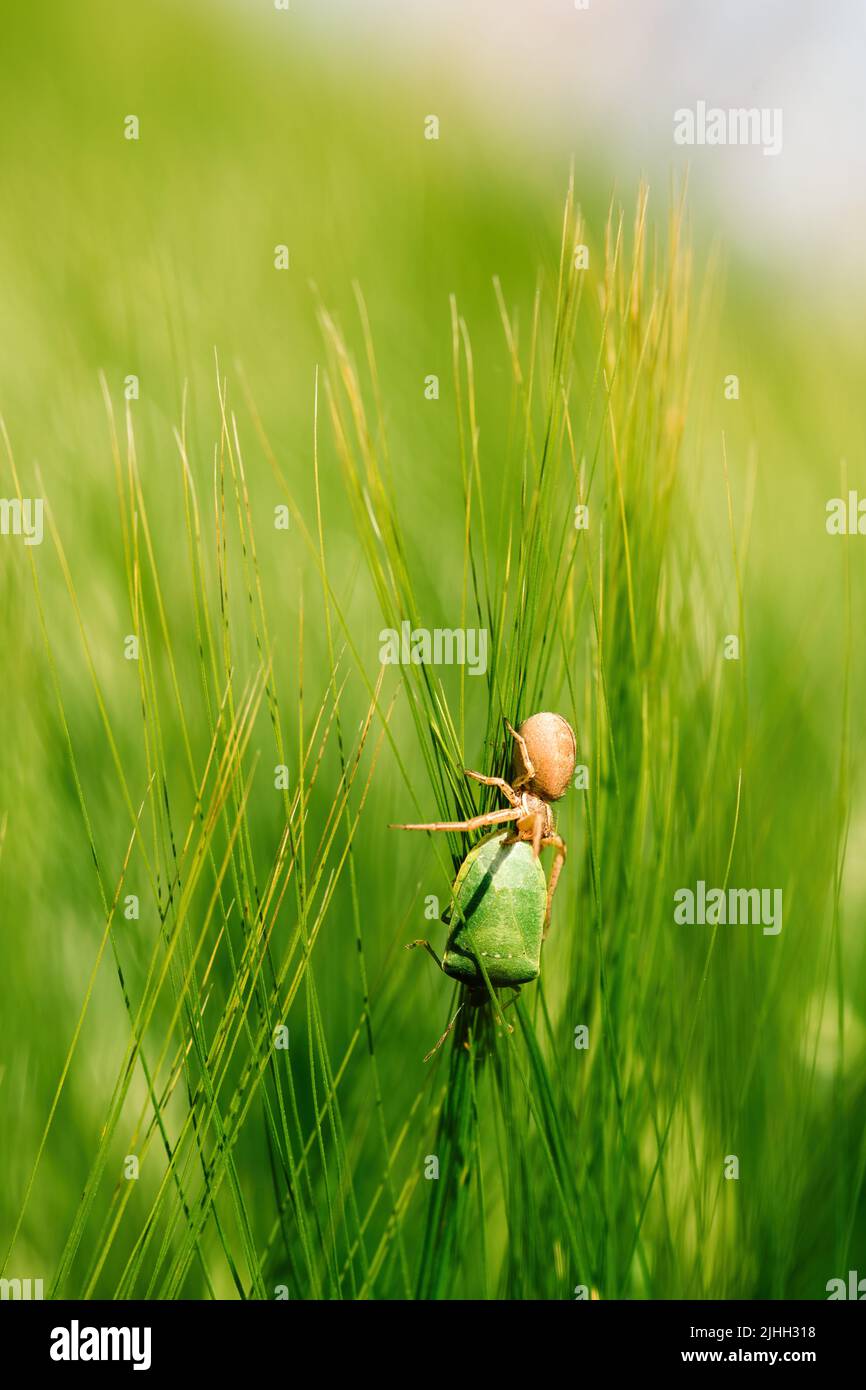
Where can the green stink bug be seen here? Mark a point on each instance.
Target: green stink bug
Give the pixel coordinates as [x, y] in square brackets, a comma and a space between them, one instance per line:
[499, 900]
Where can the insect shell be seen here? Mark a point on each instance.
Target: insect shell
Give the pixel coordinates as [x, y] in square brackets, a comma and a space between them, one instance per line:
[499, 903]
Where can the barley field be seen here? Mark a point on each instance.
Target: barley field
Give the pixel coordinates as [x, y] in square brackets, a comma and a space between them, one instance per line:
[291, 370]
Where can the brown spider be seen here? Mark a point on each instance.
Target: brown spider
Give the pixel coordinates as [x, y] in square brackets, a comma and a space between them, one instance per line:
[542, 765]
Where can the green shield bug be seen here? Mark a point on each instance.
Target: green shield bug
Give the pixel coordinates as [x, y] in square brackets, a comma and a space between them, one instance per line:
[500, 901]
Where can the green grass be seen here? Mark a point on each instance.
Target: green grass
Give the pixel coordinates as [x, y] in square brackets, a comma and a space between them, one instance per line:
[269, 901]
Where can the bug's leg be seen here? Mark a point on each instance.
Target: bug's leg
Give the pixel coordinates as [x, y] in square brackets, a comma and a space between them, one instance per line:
[500, 782]
[434, 1050]
[410, 946]
[558, 844]
[491, 818]
[528, 767]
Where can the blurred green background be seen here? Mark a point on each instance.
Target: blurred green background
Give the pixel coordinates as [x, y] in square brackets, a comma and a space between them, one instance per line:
[146, 257]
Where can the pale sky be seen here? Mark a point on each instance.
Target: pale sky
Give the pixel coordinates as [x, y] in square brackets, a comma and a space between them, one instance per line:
[614, 74]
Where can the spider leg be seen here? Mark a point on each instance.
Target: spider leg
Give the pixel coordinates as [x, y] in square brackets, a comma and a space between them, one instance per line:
[491, 818]
[558, 844]
[530, 828]
[500, 782]
[537, 828]
[528, 766]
